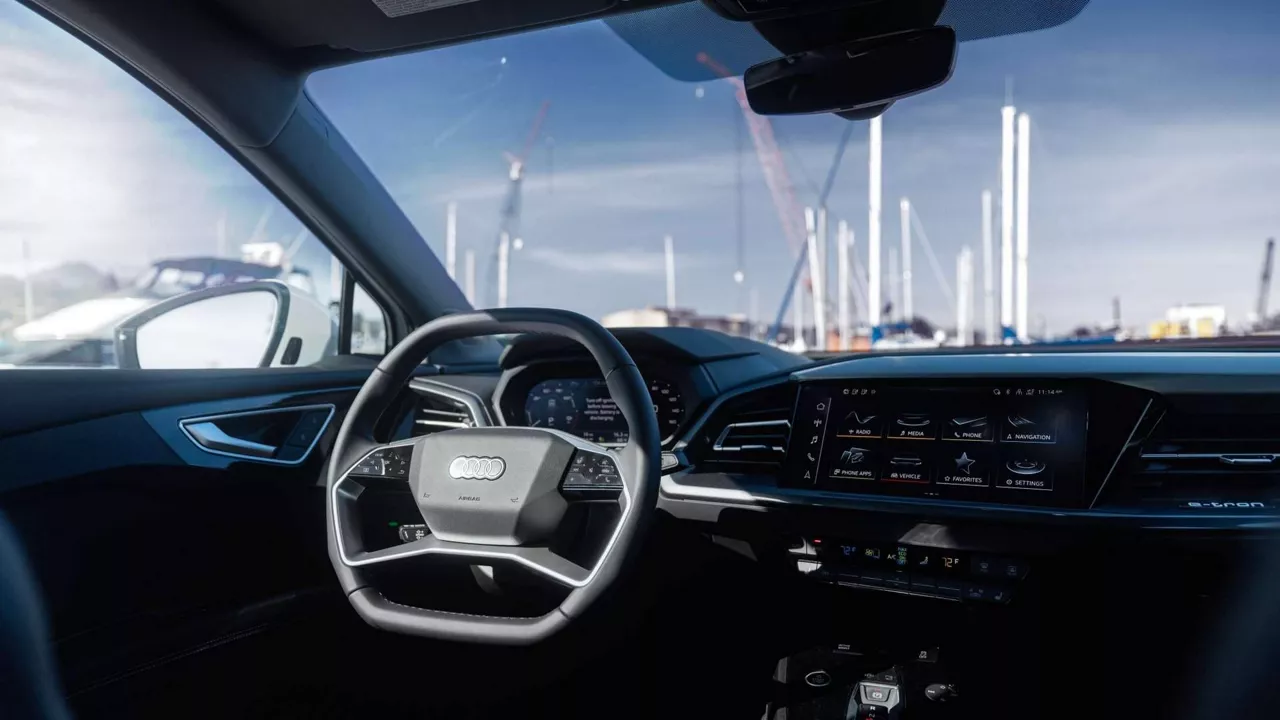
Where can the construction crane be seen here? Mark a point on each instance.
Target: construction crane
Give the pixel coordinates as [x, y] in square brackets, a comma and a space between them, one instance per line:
[1264, 287]
[509, 225]
[822, 209]
[776, 177]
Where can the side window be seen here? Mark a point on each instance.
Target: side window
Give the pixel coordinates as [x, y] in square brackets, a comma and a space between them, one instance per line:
[128, 238]
[368, 325]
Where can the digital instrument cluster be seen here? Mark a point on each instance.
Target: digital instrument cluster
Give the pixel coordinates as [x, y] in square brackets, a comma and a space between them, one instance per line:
[583, 407]
[1010, 444]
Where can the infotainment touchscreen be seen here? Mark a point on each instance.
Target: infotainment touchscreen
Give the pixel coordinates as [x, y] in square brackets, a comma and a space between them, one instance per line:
[1010, 443]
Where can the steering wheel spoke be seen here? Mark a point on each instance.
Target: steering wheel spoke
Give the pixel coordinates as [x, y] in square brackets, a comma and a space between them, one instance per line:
[540, 560]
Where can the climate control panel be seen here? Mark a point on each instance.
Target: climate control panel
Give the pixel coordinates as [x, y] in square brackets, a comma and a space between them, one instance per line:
[957, 575]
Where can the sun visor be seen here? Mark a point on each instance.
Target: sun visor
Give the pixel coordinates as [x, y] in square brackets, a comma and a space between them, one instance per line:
[672, 38]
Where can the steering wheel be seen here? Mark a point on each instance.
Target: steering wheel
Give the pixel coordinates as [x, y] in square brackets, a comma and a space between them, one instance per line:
[494, 494]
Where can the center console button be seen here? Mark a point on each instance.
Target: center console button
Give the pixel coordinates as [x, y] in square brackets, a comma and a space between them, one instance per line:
[938, 692]
[877, 693]
[1012, 569]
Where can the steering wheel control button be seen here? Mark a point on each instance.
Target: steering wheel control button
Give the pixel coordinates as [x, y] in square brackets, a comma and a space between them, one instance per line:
[818, 679]
[592, 471]
[387, 462]
[670, 461]
[410, 533]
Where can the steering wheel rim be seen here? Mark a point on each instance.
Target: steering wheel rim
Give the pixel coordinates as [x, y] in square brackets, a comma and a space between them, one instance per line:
[638, 462]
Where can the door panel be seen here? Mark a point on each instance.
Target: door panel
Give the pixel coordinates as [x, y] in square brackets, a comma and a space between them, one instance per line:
[149, 549]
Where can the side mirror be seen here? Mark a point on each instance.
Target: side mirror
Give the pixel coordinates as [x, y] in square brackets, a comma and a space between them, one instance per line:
[859, 76]
[264, 323]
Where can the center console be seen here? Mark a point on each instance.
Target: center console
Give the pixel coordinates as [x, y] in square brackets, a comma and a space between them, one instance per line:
[977, 443]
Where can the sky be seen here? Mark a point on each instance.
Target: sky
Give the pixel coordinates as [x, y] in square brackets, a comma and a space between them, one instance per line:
[1155, 161]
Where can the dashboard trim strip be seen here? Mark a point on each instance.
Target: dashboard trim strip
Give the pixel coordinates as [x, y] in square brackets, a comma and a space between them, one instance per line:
[763, 497]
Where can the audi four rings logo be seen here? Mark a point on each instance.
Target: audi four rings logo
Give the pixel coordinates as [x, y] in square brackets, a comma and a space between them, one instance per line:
[465, 467]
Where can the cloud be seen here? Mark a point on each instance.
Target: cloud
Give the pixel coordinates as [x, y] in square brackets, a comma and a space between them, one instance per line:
[99, 169]
[637, 182]
[635, 263]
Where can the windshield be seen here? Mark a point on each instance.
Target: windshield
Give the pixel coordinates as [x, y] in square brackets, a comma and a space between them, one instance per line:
[1150, 140]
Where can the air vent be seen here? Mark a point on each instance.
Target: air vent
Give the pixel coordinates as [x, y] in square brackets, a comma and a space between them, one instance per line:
[1207, 459]
[748, 433]
[437, 412]
[760, 436]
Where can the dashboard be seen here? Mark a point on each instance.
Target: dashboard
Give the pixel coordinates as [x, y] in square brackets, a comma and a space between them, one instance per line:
[960, 496]
[1150, 438]
[1154, 439]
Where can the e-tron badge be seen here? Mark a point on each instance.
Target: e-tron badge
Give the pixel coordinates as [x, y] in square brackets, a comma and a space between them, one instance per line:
[466, 467]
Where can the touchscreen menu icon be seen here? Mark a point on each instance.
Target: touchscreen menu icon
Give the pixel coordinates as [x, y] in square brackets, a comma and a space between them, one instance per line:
[967, 427]
[913, 426]
[1025, 473]
[855, 461]
[1030, 426]
[906, 467]
[966, 468]
[862, 423]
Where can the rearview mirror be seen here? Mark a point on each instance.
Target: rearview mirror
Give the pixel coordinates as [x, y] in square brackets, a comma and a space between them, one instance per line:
[854, 76]
[244, 325]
